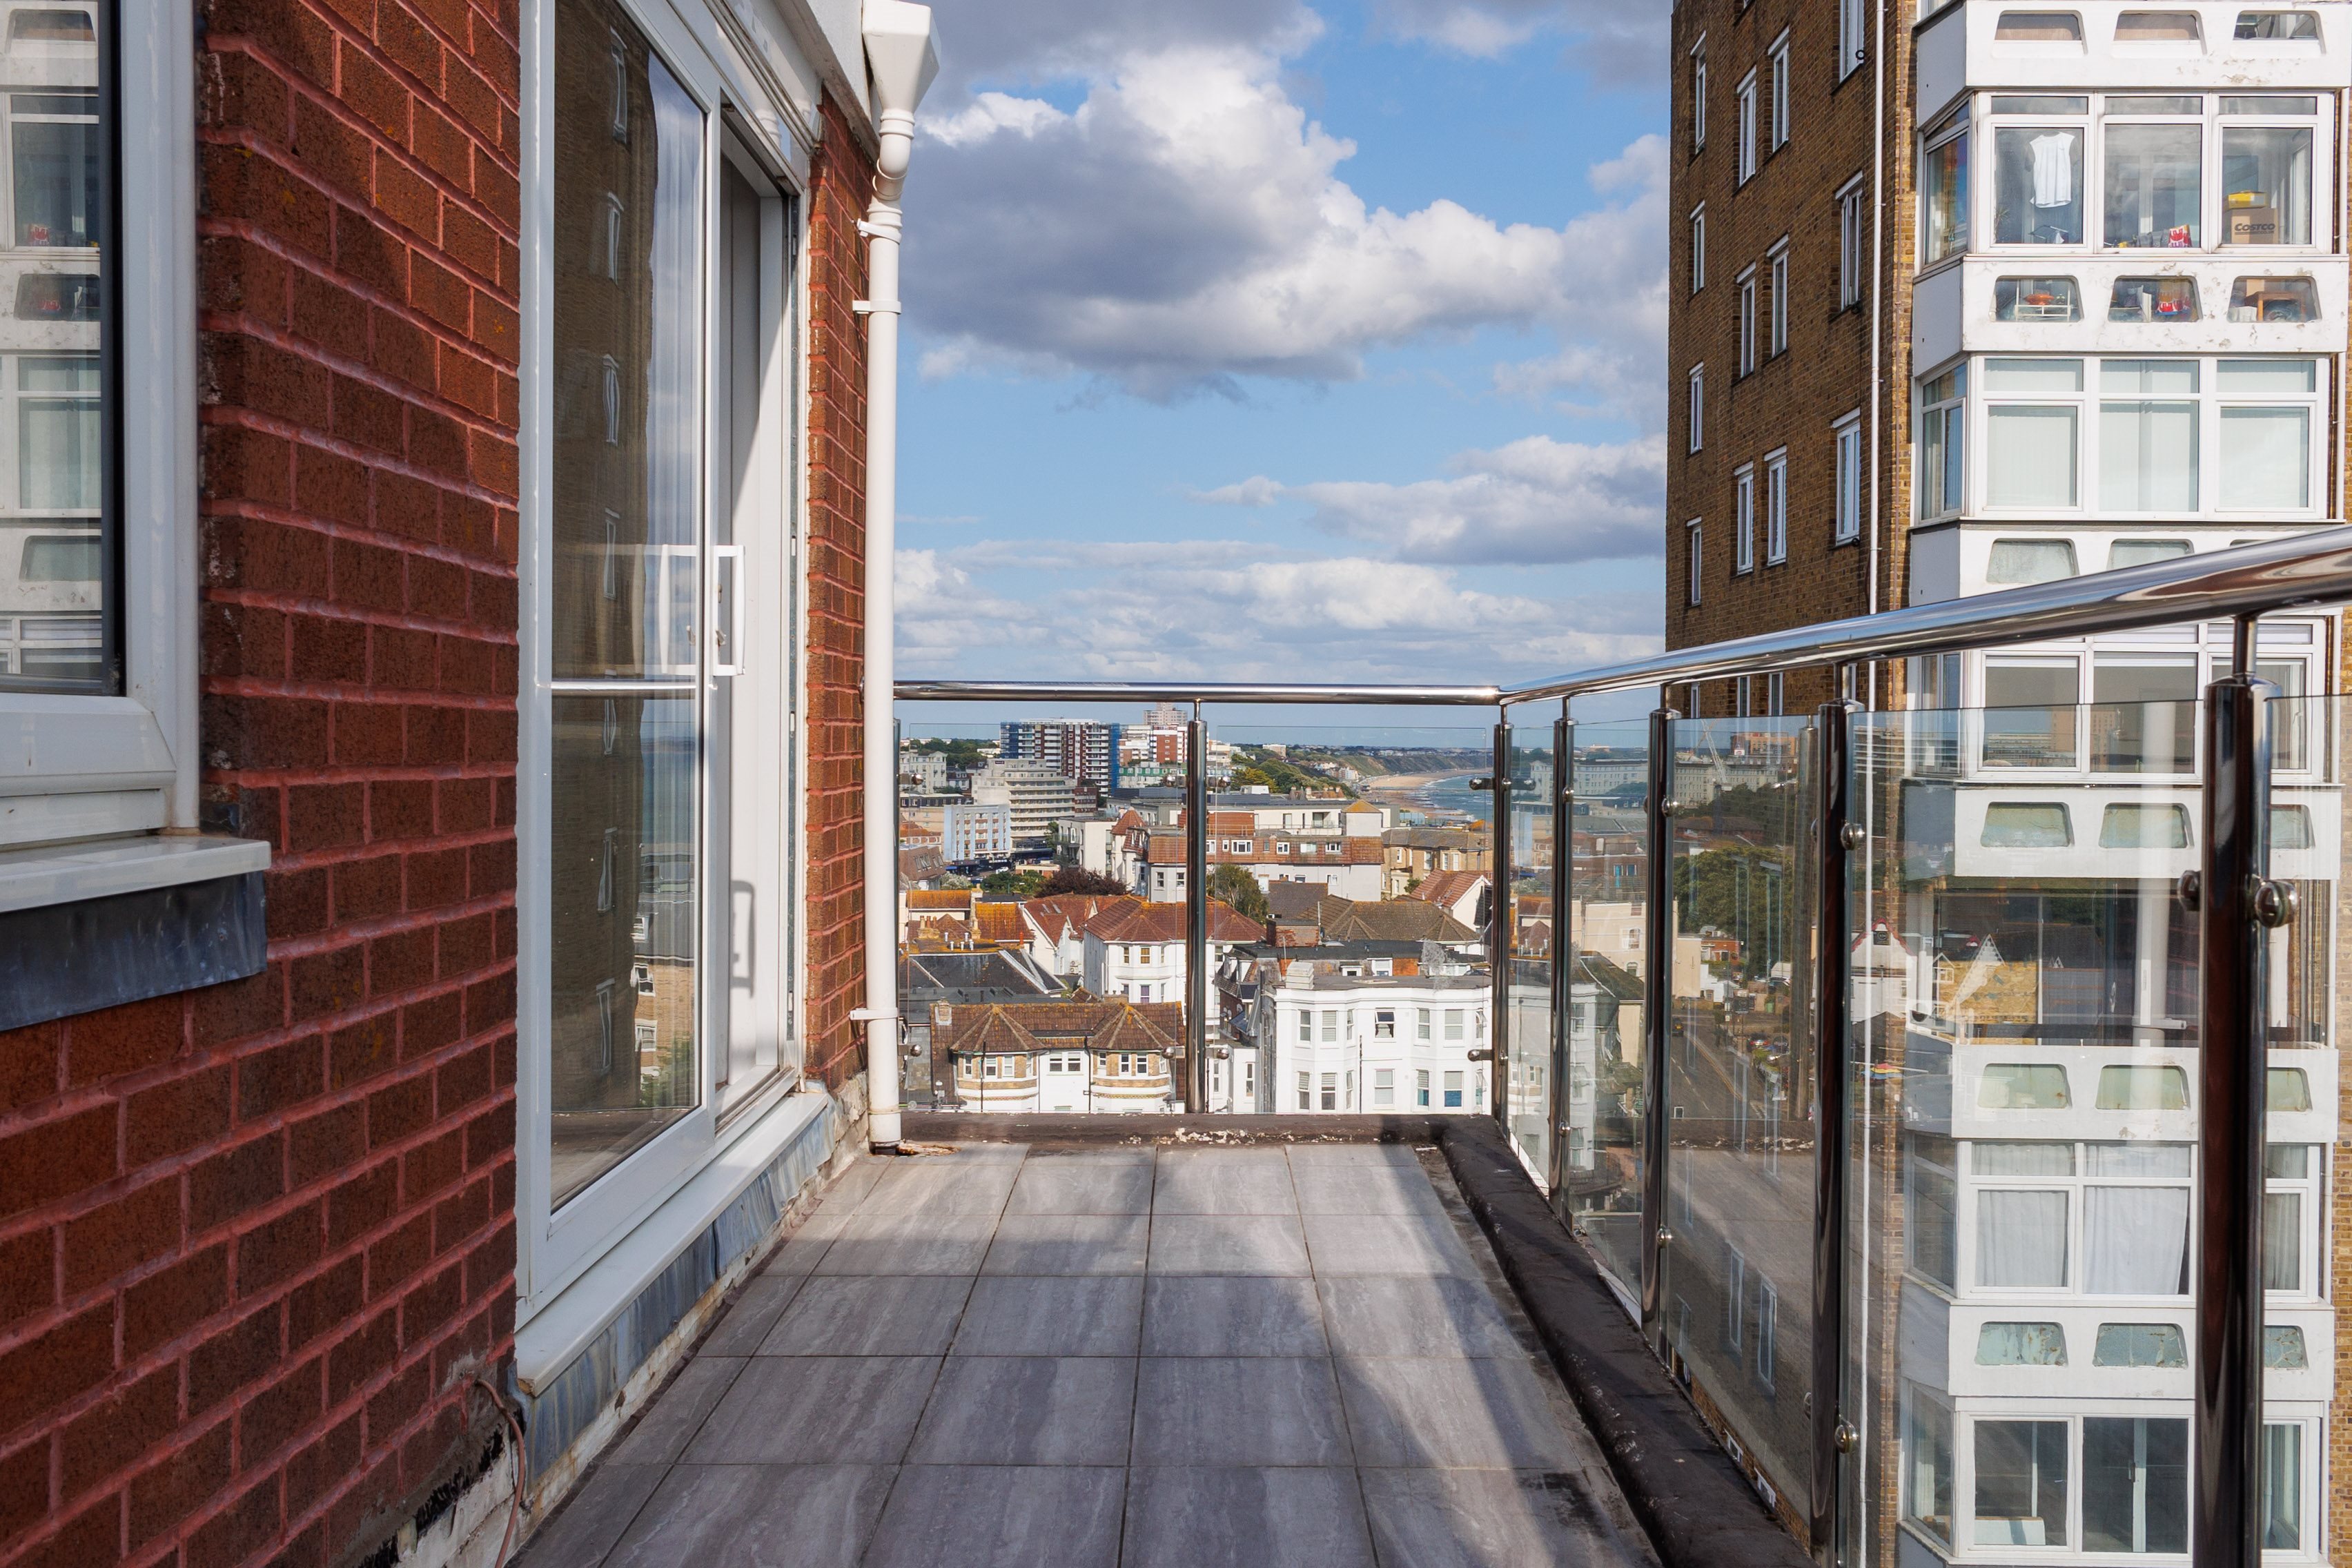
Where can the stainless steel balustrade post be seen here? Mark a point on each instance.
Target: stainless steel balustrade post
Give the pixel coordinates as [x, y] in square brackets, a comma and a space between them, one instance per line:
[1832, 1036]
[1498, 935]
[2232, 896]
[1563, 947]
[1657, 1022]
[1196, 914]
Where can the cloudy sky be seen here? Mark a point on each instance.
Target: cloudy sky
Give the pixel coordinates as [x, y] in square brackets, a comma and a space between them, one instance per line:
[1252, 339]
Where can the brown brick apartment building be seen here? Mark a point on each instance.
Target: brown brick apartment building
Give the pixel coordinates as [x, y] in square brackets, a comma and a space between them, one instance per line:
[2064, 293]
[391, 671]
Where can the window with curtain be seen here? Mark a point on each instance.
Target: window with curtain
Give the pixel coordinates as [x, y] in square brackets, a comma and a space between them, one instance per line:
[2147, 435]
[2032, 424]
[2135, 1237]
[2283, 1485]
[2021, 1239]
[1931, 1204]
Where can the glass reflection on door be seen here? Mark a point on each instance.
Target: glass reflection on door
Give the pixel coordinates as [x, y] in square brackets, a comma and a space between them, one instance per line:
[626, 518]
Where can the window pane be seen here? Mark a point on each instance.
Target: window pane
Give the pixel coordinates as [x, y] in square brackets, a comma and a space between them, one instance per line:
[2145, 719]
[2030, 457]
[627, 519]
[2036, 300]
[2151, 184]
[1943, 197]
[2021, 1483]
[2265, 184]
[2142, 1089]
[1928, 1467]
[2035, 1159]
[2153, 300]
[2289, 1088]
[2147, 457]
[2266, 459]
[2022, 1086]
[56, 554]
[2282, 1487]
[626, 513]
[2034, 375]
[2282, 1349]
[2126, 826]
[2134, 1484]
[2022, 561]
[2290, 299]
[2021, 1344]
[2140, 1344]
[2137, 1160]
[2267, 377]
[2126, 553]
[2038, 185]
[2136, 1241]
[2008, 826]
[2020, 1238]
[621, 956]
[2282, 1241]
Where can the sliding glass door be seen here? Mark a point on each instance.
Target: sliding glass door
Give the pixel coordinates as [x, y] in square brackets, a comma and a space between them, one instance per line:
[656, 807]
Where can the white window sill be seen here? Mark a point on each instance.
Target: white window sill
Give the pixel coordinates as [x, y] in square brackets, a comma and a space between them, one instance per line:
[68, 873]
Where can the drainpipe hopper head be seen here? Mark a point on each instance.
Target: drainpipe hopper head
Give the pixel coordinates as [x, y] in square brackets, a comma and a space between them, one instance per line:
[901, 57]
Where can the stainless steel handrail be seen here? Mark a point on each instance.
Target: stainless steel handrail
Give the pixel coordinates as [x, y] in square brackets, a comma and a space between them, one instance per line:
[1197, 691]
[2250, 579]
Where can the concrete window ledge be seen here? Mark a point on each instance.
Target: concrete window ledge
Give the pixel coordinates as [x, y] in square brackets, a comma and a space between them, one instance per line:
[106, 922]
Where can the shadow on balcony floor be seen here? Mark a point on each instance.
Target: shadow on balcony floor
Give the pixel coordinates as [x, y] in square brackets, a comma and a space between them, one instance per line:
[1264, 1355]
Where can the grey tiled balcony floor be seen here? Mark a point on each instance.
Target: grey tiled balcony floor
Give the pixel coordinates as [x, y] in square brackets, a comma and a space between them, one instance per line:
[1127, 1356]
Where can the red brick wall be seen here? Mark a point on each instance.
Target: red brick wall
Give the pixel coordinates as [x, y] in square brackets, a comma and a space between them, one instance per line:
[841, 184]
[253, 1238]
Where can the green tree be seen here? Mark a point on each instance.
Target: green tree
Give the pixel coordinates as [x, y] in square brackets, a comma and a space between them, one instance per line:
[1233, 884]
[1000, 885]
[1078, 879]
[1743, 891]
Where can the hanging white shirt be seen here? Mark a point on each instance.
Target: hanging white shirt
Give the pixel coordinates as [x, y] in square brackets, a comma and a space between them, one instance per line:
[2054, 170]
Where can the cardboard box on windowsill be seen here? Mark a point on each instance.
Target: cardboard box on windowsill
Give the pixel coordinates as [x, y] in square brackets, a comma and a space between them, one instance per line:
[2253, 224]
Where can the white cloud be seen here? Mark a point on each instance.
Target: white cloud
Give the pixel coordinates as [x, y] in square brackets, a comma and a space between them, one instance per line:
[1625, 44]
[1186, 225]
[1219, 610]
[1536, 499]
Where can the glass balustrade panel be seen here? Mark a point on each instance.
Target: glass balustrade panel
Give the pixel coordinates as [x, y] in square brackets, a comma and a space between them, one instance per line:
[1738, 1285]
[2022, 1125]
[1530, 1041]
[1603, 1106]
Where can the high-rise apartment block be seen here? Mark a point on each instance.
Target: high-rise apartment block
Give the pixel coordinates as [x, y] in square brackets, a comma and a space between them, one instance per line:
[1079, 749]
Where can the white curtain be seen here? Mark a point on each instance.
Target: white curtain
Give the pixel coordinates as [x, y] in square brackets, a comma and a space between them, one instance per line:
[2147, 457]
[2266, 459]
[2020, 1238]
[2134, 1239]
[2028, 456]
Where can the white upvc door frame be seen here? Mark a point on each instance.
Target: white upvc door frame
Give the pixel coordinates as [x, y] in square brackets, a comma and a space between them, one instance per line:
[556, 1246]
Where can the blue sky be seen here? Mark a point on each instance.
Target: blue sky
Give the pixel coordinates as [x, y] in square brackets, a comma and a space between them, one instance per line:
[1255, 339]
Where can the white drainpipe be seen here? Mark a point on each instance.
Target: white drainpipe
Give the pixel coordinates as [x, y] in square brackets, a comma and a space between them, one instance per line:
[900, 60]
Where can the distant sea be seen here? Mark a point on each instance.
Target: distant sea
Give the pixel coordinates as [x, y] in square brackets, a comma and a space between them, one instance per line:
[1456, 797]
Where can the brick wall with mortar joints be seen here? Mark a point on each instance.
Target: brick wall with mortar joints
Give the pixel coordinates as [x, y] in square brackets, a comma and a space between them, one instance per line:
[1792, 399]
[841, 183]
[253, 1237]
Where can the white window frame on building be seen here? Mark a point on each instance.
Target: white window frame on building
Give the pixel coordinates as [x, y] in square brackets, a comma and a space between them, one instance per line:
[1775, 334]
[1853, 45]
[122, 764]
[1845, 443]
[1747, 292]
[1743, 519]
[1776, 506]
[2212, 392]
[1743, 128]
[1693, 588]
[1698, 93]
[1696, 408]
[1851, 242]
[1698, 248]
[1780, 59]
